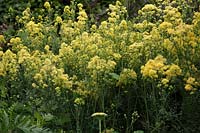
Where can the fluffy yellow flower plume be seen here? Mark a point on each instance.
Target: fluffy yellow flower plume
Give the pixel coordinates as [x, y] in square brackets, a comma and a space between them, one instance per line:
[165, 81]
[82, 16]
[188, 87]
[47, 5]
[191, 80]
[123, 24]
[2, 39]
[58, 20]
[173, 71]
[165, 25]
[34, 28]
[15, 40]
[172, 15]
[2, 72]
[67, 10]
[9, 64]
[153, 67]
[79, 101]
[156, 67]
[149, 7]
[191, 84]
[23, 55]
[96, 65]
[126, 76]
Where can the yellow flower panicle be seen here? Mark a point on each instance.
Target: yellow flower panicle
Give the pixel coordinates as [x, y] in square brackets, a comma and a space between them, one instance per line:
[126, 76]
[48, 72]
[2, 39]
[33, 28]
[58, 20]
[47, 5]
[95, 51]
[67, 10]
[82, 16]
[188, 87]
[115, 12]
[172, 15]
[165, 26]
[191, 84]
[15, 41]
[101, 65]
[9, 66]
[23, 55]
[79, 101]
[153, 67]
[26, 16]
[165, 82]
[173, 71]
[2, 72]
[123, 24]
[157, 68]
[149, 7]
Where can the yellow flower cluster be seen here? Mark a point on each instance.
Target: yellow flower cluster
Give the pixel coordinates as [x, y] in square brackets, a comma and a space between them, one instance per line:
[2, 39]
[196, 18]
[169, 45]
[23, 56]
[149, 12]
[165, 26]
[183, 38]
[70, 29]
[154, 67]
[48, 72]
[172, 15]
[47, 5]
[66, 52]
[157, 68]
[1, 64]
[58, 20]
[100, 65]
[165, 82]
[123, 24]
[15, 41]
[173, 71]
[79, 101]
[68, 32]
[26, 16]
[91, 52]
[8, 63]
[191, 84]
[82, 16]
[33, 28]
[149, 8]
[143, 26]
[116, 11]
[67, 10]
[126, 76]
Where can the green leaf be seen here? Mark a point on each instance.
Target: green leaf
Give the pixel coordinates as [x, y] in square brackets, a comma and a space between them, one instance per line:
[138, 131]
[48, 117]
[114, 76]
[5, 119]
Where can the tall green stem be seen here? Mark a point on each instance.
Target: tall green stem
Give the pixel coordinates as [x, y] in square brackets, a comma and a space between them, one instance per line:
[77, 120]
[99, 126]
[146, 106]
